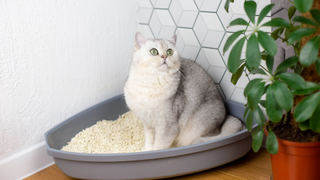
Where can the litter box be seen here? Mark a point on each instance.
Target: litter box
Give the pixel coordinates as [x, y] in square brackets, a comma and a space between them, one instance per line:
[141, 165]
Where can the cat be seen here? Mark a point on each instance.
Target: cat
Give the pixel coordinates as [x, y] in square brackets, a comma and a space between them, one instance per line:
[176, 100]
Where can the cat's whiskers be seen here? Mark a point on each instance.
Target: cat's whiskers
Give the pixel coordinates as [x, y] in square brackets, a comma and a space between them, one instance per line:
[179, 72]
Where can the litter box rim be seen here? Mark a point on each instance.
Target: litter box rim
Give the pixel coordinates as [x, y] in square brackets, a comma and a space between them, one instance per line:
[146, 155]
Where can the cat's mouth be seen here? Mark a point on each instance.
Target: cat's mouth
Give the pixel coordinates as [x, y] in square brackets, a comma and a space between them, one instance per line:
[164, 66]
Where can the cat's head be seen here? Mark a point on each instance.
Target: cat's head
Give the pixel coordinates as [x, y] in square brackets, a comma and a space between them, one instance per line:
[156, 55]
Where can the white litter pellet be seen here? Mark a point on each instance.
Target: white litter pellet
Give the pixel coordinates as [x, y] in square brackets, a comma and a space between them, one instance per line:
[123, 135]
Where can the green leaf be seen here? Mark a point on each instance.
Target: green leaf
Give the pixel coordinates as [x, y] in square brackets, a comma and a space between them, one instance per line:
[259, 117]
[255, 131]
[298, 69]
[254, 96]
[258, 71]
[291, 11]
[289, 31]
[303, 5]
[272, 143]
[249, 121]
[315, 13]
[226, 5]
[235, 77]
[283, 95]
[274, 111]
[305, 20]
[231, 39]
[253, 53]
[264, 12]
[304, 125]
[315, 120]
[310, 87]
[257, 141]
[291, 61]
[265, 88]
[235, 54]
[269, 62]
[250, 85]
[263, 103]
[298, 34]
[293, 80]
[238, 21]
[317, 65]
[276, 33]
[264, 55]
[245, 113]
[267, 42]
[306, 107]
[277, 22]
[250, 8]
[309, 52]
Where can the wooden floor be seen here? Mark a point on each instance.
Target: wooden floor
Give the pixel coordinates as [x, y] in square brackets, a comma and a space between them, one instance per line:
[253, 166]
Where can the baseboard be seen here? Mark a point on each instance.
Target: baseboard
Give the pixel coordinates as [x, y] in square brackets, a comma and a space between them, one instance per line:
[25, 163]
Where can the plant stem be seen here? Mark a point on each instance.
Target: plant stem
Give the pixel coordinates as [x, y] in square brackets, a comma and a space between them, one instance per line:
[286, 117]
[265, 69]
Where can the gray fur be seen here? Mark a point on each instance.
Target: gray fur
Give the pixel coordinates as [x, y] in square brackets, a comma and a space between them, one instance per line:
[178, 106]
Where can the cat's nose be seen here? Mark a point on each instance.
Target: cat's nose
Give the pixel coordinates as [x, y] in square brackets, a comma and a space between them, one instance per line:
[164, 57]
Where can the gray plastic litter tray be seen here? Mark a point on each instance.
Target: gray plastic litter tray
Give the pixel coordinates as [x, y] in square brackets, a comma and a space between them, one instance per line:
[140, 165]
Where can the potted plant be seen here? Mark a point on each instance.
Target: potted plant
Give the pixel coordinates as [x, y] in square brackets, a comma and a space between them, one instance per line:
[292, 98]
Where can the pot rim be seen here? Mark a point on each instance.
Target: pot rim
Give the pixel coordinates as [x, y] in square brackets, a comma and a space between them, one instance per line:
[293, 143]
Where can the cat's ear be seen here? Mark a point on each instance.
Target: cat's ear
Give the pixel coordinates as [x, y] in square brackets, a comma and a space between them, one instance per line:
[139, 40]
[173, 39]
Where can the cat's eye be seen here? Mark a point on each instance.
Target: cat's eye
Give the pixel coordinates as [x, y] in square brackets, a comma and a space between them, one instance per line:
[169, 52]
[154, 52]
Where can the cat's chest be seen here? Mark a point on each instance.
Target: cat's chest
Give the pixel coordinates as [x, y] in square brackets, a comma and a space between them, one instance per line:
[149, 91]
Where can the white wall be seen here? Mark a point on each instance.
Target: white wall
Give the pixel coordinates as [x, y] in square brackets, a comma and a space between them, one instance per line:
[56, 59]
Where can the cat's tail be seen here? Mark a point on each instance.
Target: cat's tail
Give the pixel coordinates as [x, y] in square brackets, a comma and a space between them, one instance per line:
[230, 126]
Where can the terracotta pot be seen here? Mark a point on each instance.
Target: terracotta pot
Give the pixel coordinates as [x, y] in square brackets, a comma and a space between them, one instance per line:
[296, 160]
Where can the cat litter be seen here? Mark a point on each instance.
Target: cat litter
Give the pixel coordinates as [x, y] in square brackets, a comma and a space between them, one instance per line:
[123, 135]
[138, 165]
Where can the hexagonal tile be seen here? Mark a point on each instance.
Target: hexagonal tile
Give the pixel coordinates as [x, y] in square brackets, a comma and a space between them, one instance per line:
[184, 12]
[226, 85]
[236, 10]
[202, 60]
[209, 30]
[161, 24]
[220, 91]
[161, 3]
[213, 57]
[234, 92]
[243, 80]
[145, 30]
[261, 4]
[188, 5]
[208, 5]
[144, 4]
[187, 43]
[237, 7]
[144, 11]
[144, 15]
[216, 73]
[238, 95]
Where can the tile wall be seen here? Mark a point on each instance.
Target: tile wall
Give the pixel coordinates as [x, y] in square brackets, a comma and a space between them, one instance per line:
[202, 29]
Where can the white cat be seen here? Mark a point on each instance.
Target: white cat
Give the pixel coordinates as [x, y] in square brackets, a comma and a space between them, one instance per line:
[175, 98]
